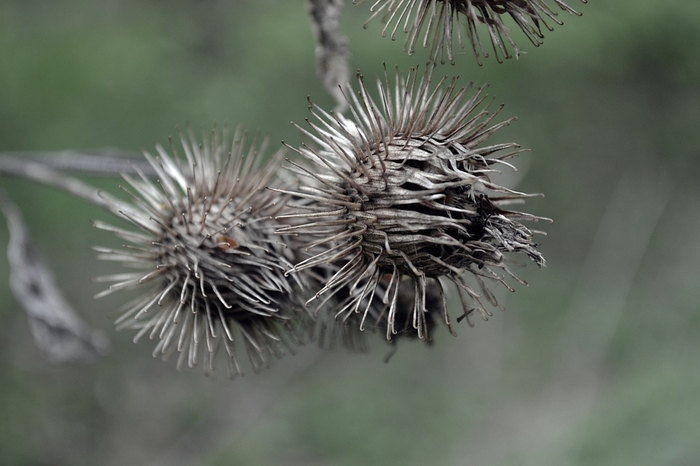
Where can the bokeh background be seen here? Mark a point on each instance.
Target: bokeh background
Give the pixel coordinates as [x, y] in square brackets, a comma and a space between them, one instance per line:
[596, 362]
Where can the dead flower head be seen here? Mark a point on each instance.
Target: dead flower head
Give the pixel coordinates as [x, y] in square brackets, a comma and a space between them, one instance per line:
[403, 194]
[440, 20]
[207, 255]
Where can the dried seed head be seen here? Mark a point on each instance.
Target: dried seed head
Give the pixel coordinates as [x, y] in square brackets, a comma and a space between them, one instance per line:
[404, 193]
[208, 255]
[441, 20]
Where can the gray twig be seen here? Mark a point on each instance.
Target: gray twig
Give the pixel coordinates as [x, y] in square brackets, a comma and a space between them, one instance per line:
[56, 327]
[102, 162]
[40, 172]
[332, 48]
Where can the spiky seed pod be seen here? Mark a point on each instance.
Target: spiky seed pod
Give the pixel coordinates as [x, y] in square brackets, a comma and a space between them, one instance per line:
[404, 192]
[207, 255]
[441, 21]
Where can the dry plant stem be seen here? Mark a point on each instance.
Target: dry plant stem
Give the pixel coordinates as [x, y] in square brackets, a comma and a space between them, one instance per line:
[42, 174]
[56, 327]
[102, 162]
[332, 48]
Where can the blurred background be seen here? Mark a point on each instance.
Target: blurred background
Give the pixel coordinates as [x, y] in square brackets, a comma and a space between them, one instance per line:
[596, 362]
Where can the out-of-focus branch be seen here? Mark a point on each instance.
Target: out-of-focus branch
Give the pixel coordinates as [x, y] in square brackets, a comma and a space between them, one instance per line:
[40, 172]
[332, 49]
[56, 327]
[102, 162]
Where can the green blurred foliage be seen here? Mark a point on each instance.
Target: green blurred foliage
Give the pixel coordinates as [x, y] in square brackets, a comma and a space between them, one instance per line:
[613, 93]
